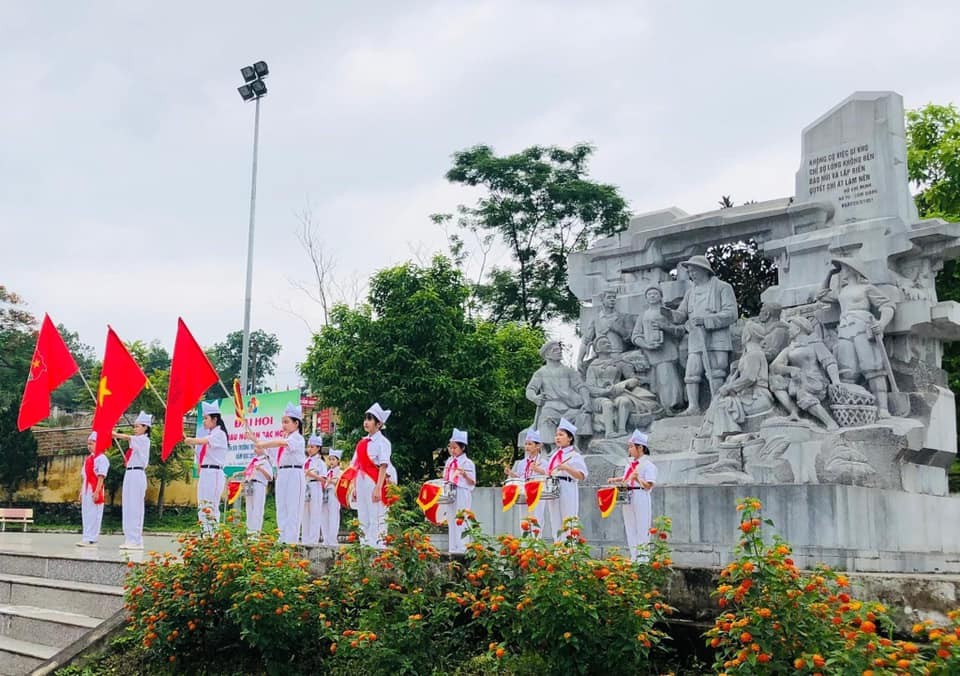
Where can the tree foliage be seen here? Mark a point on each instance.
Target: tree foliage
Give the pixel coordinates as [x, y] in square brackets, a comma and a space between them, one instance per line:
[542, 206]
[227, 358]
[18, 450]
[413, 349]
[744, 267]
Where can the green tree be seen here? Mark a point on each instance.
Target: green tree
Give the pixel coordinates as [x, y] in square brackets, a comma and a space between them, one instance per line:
[18, 451]
[542, 206]
[743, 266]
[73, 395]
[226, 359]
[414, 349]
[18, 334]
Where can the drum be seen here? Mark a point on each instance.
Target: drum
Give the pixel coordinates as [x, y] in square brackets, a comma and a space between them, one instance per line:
[624, 496]
[435, 499]
[512, 493]
[551, 489]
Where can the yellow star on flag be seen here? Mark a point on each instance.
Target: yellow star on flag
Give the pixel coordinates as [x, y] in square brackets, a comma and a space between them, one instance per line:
[102, 391]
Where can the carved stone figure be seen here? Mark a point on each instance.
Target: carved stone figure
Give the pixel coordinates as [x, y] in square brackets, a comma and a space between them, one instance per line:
[775, 337]
[708, 307]
[746, 393]
[616, 395]
[916, 279]
[616, 326]
[860, 352]
[802, 372]
[559, 392]
[658, 337]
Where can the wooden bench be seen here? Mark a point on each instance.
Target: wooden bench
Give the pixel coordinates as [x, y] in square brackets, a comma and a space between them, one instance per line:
[15, 515]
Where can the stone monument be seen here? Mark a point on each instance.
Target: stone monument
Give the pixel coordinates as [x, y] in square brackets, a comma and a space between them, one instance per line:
[832, 405]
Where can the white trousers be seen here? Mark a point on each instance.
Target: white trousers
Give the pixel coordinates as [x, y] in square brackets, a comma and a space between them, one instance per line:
[464, 500]
[330, 518]
[372, 515]
[291, 486]
[637, 517]
[134, 490]
[312, 506]
[92, 516]
[255, 501]
[566, 506]
[209, 491]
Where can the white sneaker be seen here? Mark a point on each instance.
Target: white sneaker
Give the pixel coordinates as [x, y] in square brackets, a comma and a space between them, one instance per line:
[130, 545]
[84, 543]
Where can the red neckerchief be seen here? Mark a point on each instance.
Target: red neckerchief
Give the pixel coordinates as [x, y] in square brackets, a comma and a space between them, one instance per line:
[91, 478]
[306, 465]
[126, 455]
[449, 472]
[526, 470]
[203, 452]
[557, 459]
[633, 466]
[363, 461]
[251, 468]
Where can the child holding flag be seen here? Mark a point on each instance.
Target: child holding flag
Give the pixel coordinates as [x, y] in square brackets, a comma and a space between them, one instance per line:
[313, 470]
[136, 460]
[211, 458]
[330, 506]
[95, 469]
[291, 483]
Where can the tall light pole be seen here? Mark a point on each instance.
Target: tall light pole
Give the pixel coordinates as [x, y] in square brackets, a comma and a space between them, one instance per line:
[253, 89]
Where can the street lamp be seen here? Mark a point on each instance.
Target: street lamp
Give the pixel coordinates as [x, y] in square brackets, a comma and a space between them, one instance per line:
[253, 89]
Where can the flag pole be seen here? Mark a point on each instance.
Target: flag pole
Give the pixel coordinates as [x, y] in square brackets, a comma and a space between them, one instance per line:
[95, 402]
[225, 390]
[156, 394]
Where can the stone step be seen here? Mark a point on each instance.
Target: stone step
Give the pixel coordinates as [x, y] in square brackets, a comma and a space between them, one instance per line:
[22, 657]
[44, 626]
[94, 600]
[60, 568]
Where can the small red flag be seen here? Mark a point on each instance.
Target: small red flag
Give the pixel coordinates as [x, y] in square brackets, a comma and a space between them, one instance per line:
[191, 374]
[51, 365]
[121, 380]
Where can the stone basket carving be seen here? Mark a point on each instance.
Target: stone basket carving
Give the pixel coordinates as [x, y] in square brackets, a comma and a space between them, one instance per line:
[852, 405]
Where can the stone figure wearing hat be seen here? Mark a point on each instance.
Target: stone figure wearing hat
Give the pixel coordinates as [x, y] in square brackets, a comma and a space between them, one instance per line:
[136, 460]
[655, 333]
[568, 467]
[460, 471]
[801, 373]
[616, 326]
[211, 458]
[639, 478]
[531, 465]
[330, 509]
[708, 308]
[558, 391]
[92, 476]
[617, 395]
[865, 313]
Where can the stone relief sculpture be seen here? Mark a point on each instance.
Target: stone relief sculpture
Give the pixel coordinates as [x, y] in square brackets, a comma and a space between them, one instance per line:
[708, 309]
[746, 394]
[558, 391]
[617, 395]
[802, 372]
[615, 325]
[655, 333]
[860, 352]
[775, 337]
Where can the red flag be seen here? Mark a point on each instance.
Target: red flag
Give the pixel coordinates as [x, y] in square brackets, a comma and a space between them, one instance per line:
[191, 374]
[121, 380]
[51, 365]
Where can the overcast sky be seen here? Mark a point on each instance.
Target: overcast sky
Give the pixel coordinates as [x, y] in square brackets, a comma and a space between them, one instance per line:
[125, 158]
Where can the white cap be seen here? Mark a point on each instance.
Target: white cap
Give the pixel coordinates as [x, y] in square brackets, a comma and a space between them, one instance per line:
[379, 413]
[293, 411]
[336, 453]
[533, 435]
[315, 440]
[568, 426]
[92, 437]
[144, 419]
[638, 438]
[209, 408]
[460, 436]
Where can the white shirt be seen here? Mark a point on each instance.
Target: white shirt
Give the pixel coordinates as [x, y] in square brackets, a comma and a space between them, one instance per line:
[261, 461]
[648, 471]
[464, 463]
[296, 451]
[520, 466]
[216, 453]
[570, 456]
[333, 475]
[379, 449]
[101, 465]
[140, 451]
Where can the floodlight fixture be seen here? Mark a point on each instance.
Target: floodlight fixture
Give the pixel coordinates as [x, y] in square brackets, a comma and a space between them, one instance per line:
[260, 67]
[259, 88]
[246, 93]
[248, 73]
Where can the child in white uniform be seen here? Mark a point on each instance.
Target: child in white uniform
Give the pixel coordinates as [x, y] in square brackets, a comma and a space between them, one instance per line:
[638, 478]
[95, 469]
[462, 473]
[569, 467]
[258, 474]
[211, 458]
[330, 507]
[528, 467]
[136, 460]
[290, 483]
[371, 459]
[313, 470]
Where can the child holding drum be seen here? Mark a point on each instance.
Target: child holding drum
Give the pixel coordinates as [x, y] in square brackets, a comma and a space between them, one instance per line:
[460, 471]
[638, 478]
[568, 467]
[529, 467]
